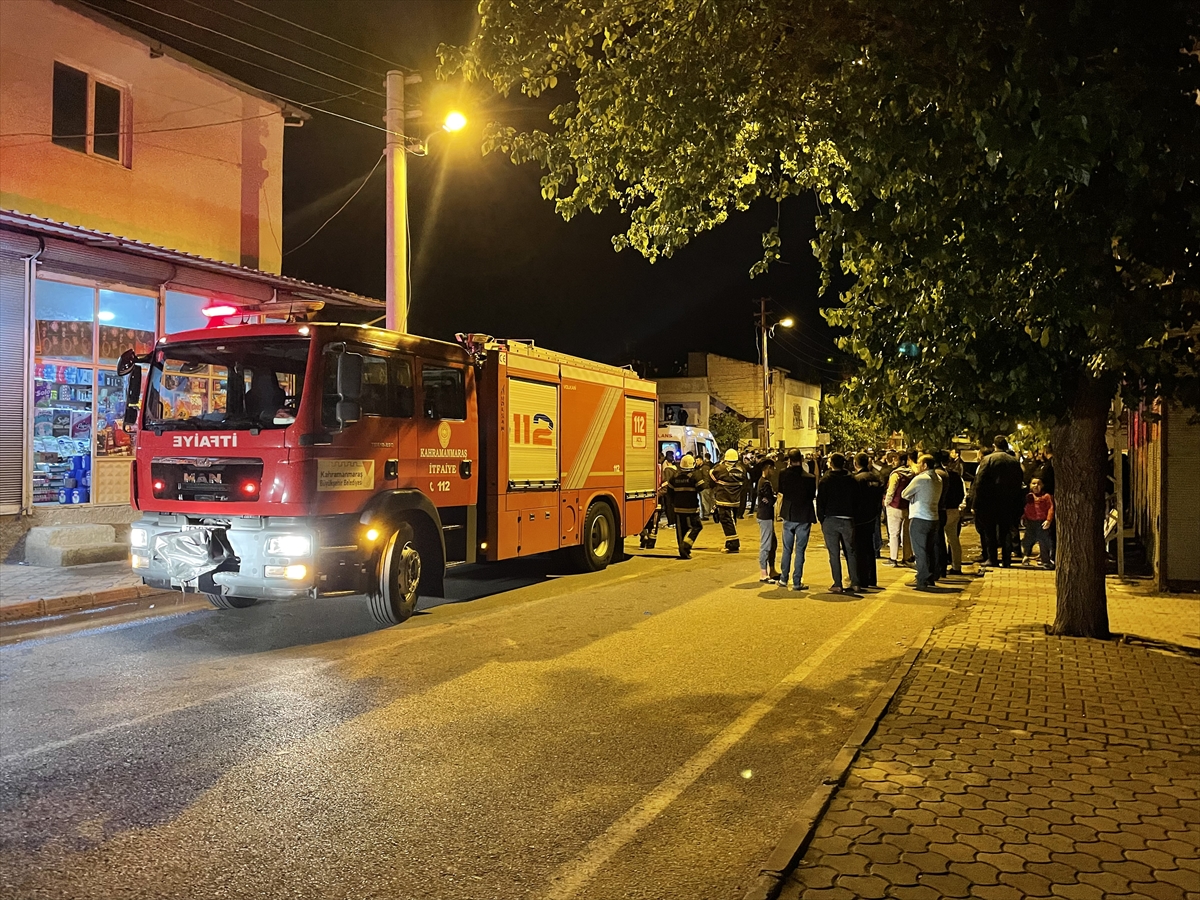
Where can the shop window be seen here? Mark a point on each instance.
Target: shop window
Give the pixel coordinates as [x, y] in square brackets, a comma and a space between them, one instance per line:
[62, 432]
[87, 114]
[183, 312]
[126, 321]
[445, 393]
[79, 400]
[111, 437]
[64, 314]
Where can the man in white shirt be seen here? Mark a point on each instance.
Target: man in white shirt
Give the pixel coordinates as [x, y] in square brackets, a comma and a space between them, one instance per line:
[922, 494]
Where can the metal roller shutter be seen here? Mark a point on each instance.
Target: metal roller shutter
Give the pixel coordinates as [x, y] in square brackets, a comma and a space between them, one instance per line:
[13, 384]
[91, 262]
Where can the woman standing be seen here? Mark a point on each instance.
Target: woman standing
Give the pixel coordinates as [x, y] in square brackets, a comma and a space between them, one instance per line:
[764, 511]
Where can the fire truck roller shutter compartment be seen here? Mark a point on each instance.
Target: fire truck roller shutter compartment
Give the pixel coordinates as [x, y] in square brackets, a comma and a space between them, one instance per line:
[533, 443]
[641, 461]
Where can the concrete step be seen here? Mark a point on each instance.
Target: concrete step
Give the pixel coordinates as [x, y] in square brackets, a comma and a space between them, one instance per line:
[54, 546]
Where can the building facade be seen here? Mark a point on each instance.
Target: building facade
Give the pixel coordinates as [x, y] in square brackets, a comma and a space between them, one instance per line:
[140, 191]
[719, 384]
[110, 130]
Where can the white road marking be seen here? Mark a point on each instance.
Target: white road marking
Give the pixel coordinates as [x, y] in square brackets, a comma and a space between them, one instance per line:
[575, 874]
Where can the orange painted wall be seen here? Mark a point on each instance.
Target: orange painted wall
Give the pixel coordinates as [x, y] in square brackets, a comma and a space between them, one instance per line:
[215, 191]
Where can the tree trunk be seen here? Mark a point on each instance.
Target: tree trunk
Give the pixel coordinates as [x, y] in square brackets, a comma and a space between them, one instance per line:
[1080, 456]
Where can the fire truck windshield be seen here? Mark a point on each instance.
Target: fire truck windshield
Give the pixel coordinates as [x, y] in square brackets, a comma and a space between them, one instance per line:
[226, 384]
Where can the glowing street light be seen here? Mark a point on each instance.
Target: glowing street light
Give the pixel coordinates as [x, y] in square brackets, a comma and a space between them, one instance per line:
[455, 121]
[786, 323]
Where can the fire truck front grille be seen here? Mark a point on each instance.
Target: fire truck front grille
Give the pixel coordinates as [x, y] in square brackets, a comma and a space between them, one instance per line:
[206, 480]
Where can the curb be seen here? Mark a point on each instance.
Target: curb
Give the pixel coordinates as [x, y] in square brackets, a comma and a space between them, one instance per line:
[53, 606]
[795, 840]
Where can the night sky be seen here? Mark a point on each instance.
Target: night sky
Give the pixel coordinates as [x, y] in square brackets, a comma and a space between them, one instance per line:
[488, 254]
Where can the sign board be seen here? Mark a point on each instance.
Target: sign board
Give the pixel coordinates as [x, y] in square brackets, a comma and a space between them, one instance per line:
[345, 475]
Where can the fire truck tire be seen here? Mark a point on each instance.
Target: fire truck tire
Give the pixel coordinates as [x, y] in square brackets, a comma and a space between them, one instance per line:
[225, 601]
[600, 539]
[399, 579]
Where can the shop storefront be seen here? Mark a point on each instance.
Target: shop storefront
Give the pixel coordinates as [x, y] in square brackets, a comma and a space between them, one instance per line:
[71, 302]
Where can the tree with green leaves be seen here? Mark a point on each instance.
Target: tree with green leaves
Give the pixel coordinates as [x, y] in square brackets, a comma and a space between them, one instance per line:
[851, 429]
[728, 429]
[1012, 187]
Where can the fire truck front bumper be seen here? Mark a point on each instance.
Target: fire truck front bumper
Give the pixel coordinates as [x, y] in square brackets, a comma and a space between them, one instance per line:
[254, 557]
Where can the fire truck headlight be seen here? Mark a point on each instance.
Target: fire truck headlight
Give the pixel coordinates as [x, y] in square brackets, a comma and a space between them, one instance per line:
[289, 545]
[138, 537]
[291, 573]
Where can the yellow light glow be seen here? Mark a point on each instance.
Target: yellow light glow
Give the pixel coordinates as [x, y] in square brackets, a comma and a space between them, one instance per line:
[787, 323]
[747, 774]
[483, 546]
[455, 121]
[295, 573]
[138, 561]
[372, 534]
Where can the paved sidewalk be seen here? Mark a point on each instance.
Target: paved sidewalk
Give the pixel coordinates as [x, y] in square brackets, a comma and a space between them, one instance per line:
[28, 592]
[1013, 764]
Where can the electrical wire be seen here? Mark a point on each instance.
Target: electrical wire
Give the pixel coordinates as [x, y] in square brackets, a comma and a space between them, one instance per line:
[179, 37]
[394, 65]
[136, 131]
[282, 37]
[382, 156]
[805, 357]
[236, 40]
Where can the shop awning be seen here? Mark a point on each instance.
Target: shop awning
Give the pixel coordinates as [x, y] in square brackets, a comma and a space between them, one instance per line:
[72, 249]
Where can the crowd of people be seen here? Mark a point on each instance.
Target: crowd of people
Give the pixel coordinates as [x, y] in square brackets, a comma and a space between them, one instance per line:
[917, 498]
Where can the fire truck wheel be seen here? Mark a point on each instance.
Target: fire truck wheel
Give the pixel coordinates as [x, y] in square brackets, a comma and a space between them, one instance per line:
[224, 601]
[400, 579]
[599, 538]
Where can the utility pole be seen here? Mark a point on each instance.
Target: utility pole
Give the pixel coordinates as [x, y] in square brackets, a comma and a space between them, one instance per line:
[397, 200]
[762, 324]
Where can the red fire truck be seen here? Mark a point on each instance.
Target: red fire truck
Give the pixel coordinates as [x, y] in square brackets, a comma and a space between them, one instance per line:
[302, 460]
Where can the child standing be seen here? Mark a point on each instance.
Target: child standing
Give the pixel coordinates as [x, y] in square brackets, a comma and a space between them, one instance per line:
[1039, 524]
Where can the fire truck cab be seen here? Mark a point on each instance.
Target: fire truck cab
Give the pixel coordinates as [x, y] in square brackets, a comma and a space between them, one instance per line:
[282, 461]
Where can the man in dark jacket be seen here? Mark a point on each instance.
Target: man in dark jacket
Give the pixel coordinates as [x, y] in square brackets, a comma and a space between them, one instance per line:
[799, 489]
[999, 499]
[684, 491]
[755, 473]
[837, 503]
[866, 520]
[727, 477]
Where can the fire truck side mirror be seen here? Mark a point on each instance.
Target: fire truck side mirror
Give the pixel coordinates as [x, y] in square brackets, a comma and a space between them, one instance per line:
[127, 362]
[133, 398]
[349, 387]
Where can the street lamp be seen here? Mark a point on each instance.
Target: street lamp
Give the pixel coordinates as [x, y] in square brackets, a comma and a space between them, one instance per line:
[768, 330]
[397, 149]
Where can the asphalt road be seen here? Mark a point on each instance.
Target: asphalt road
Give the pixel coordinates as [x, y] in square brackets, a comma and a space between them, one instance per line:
[643, 732]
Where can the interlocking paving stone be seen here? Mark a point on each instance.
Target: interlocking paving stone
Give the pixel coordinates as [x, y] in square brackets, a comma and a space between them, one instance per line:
[1015, 764]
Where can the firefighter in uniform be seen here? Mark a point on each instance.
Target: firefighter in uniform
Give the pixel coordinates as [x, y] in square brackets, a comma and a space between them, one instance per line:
[684, 492]
[649, 535]
[728, 478]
